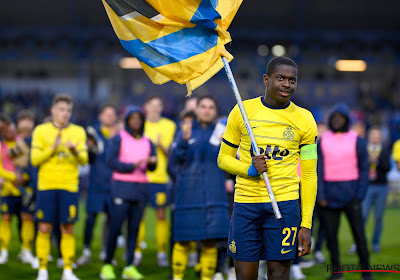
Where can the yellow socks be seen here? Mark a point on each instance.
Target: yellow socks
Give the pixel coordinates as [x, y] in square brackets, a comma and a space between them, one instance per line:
[208, 261]
[162, 235]
[141, 235]
[67, 247]
[180, 255]
[5, 234]
[27, 234]
[42, 248]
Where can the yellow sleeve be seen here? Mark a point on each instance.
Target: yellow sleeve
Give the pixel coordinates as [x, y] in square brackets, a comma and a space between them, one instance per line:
[169, 137]
[227, 161]
[39, 152]
[8, 189]
[396, 151]
[308, 190]
[5, 174]
[82, 153]
[233, 132]
[230, 142]
[308, 164]
[310, 136]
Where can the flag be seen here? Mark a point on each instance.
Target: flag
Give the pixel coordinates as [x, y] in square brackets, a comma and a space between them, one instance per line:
[179, 40]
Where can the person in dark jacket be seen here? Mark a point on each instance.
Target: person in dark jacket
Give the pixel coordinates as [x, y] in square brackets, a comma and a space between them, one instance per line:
[129, 155]
[342, 184]
[201, 206]
[379, 166]
[98, 196]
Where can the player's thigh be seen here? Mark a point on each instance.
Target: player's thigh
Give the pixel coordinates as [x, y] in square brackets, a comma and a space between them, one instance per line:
[46, 206]
[280, 236]
[68, 207]
[245, 241]
[246, 270]
[10, 205]
[278, 270]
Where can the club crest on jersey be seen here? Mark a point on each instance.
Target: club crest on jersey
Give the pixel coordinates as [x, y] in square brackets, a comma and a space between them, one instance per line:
[232, 247]
[288, 134]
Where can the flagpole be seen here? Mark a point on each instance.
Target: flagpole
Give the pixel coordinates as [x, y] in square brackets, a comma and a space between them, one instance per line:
[274, 204]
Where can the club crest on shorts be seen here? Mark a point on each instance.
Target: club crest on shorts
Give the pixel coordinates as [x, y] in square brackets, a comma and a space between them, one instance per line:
[232, 246]
[4, 207]
[40, 214]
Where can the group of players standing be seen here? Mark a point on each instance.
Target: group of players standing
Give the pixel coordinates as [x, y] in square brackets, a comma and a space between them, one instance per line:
[128, 169]
[133, 162]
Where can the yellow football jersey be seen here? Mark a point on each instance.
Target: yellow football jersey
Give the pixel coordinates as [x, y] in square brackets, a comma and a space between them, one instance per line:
[164, 130]
[58, 170]
[279, 134]
[396, 151]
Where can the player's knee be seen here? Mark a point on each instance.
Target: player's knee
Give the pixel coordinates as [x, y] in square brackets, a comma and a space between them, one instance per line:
[45, 227]
[184, 244]
[209, 243]
[26, 216]
[279, 272]
[161, 214]
[6, 217]
[243, 274]
[67, 229]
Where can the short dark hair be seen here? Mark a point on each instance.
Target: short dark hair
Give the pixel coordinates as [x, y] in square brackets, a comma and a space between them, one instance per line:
[5, 118]
[25, 114]
[105, 106]
[62, 97]
[279, 60]
[151, 97]
[375, 127]
[187, 114]
[201, 98]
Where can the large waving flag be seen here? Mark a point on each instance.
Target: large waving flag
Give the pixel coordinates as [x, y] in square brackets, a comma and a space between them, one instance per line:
[179, 40]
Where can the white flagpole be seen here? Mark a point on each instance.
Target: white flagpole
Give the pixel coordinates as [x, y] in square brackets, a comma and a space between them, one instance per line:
[274, 204]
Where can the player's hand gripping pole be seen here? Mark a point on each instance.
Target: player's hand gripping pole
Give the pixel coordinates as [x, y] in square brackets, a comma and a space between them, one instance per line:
[278, 214]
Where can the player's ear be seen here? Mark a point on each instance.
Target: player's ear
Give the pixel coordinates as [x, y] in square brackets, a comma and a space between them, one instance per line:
[266, 79]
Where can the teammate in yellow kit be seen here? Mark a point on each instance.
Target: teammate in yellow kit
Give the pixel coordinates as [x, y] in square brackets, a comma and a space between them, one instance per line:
[10, 180]
[284, 132]
[58, 147]
[161, 132]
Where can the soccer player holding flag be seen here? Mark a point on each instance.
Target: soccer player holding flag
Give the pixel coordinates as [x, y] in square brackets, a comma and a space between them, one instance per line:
[284, 132]
[58, 148]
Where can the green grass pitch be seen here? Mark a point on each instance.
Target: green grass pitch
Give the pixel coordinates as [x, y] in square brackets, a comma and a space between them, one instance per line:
[390, 253]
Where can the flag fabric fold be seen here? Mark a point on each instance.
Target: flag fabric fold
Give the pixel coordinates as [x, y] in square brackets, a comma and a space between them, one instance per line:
[179, 40]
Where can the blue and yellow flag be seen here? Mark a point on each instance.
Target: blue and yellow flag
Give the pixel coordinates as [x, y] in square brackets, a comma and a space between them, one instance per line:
[179, 40]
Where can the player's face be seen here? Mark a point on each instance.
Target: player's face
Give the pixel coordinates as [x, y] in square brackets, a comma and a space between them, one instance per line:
[135, 121]
[154, 107]
[108, 117]
[10, 132]
[190, 104]
[25, 126]
[375, 136]
[61, 113]
[338, 121]
[206, 111]
[281, 85]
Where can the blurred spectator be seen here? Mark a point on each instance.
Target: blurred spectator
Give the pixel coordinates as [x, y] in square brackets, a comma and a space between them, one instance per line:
[343, 181]
[379, 166]
[396, 153]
